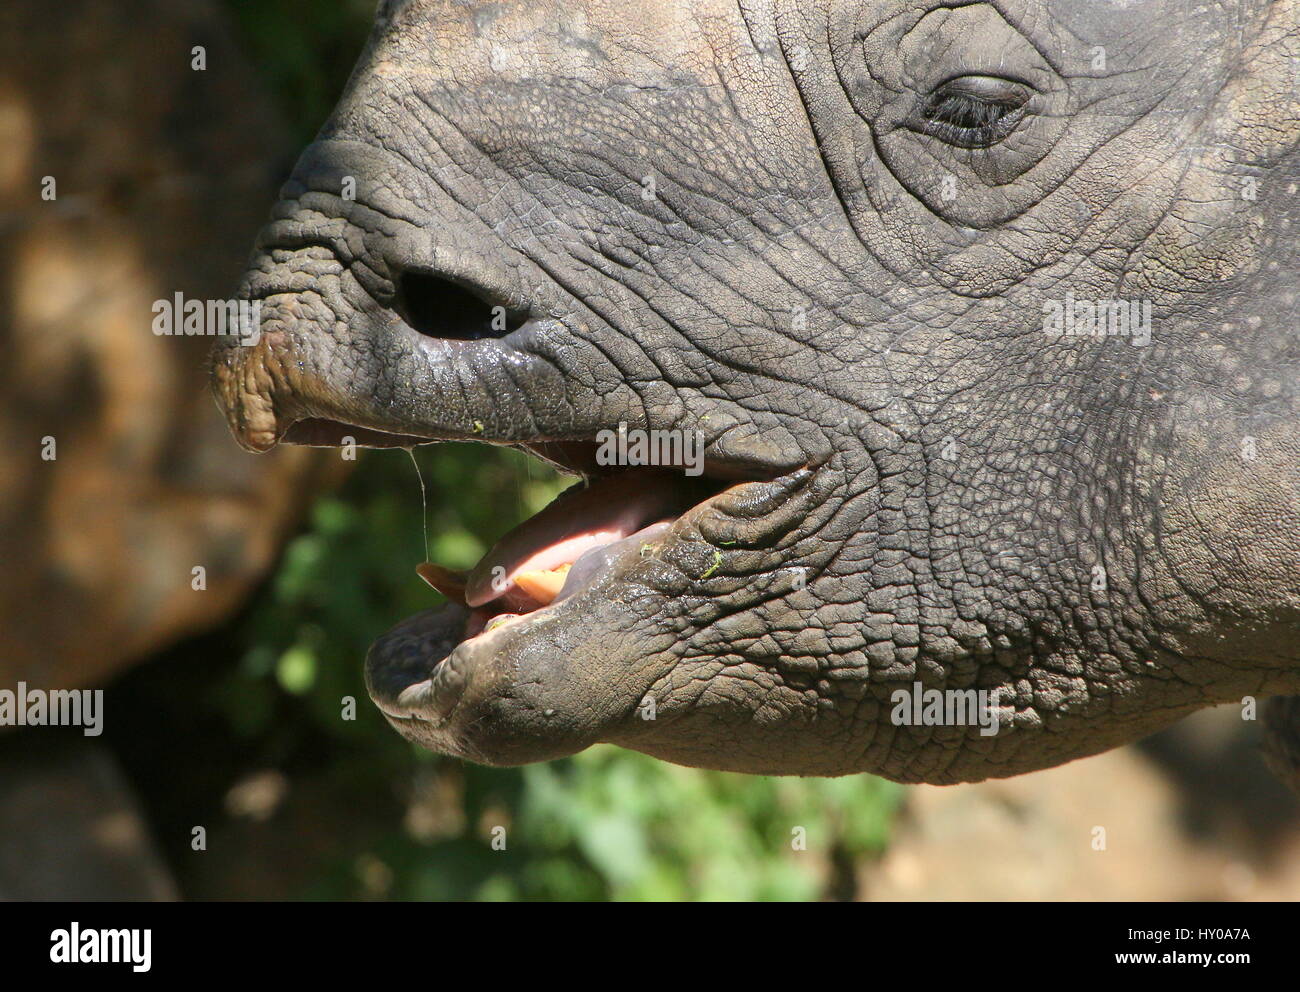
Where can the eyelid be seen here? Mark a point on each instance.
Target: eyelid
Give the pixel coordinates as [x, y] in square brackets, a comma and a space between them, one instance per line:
[992, 89]
[1003, 100]
[984, 77]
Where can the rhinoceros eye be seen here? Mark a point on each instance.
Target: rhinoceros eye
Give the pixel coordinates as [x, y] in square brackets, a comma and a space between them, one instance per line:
[974, 111]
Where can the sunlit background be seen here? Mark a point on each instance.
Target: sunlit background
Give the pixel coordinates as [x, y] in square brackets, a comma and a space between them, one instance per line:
[225, 705]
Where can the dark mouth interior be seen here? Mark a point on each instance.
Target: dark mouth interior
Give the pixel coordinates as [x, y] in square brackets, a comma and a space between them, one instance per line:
[620, 492]
[612, 508]
[577, 457]
[317, 432]
[570, 457]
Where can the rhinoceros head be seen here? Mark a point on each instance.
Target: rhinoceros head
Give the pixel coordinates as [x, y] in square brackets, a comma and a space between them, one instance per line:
[959, 339]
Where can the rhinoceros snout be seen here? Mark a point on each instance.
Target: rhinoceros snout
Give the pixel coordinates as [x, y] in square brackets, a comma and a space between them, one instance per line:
[379, 321]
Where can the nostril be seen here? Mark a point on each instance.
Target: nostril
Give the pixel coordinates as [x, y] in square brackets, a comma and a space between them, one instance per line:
[440, 308]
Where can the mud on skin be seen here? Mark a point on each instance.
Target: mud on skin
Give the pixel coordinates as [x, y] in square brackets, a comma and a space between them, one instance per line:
[828, 236]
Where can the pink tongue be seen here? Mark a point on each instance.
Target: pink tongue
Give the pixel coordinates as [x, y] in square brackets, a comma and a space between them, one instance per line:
[581, 518]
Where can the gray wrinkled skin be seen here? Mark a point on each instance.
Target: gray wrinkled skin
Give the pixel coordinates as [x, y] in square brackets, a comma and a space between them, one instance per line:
[851, 308]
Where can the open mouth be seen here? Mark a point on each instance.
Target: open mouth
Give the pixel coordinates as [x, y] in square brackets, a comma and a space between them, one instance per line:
[555, 553]
[611, 515]
[613, 544]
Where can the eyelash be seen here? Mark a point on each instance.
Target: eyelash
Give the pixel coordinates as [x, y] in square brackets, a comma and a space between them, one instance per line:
[969, 122]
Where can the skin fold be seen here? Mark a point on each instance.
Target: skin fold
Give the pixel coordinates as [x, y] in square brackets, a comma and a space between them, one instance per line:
[770, 221]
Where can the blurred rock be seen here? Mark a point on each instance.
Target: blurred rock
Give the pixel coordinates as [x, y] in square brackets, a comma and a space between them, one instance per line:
[1227, 794]
[163, 175]
[1216, 827]
[70, 826]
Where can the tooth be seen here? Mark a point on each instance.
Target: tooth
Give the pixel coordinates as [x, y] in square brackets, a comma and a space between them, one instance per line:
[542, 586]
[448, 582]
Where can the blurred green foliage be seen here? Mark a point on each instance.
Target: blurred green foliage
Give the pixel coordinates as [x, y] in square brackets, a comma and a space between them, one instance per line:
[304, 50]
[607, 824]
